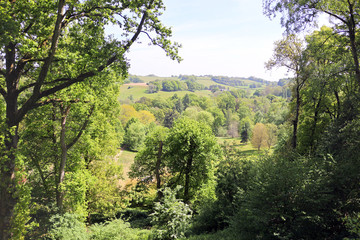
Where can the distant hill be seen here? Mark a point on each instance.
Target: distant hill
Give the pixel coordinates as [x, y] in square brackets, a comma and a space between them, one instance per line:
[250, 82]
[152, 86]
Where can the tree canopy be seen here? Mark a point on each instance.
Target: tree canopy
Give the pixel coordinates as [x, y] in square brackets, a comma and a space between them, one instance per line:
[47, 46]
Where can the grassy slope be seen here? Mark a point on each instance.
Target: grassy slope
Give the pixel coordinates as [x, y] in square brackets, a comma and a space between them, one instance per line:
[126, 158]
[136, 92]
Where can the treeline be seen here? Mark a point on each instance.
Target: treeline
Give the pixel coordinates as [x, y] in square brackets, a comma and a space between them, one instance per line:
[174, 85]
[133, 79]
[236, 81]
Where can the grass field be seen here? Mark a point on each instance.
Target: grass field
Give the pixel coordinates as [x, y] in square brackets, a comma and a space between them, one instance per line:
[125, 158]
[246, 149]
[133, 93]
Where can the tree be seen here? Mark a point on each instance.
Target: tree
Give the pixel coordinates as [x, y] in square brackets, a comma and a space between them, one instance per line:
[127, 112]
[191, 154]
[226, 101]
[62, 142]
[149, 161]
[47, 46]
[134, 135]
[289, 53]
[260, 136]
[233, 129]
[245, 129]
[272, 134]
[146, 117]
[199, 115]
[298, 15]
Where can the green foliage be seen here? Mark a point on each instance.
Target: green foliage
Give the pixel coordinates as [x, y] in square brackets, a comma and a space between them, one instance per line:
[135, 135]
[21, 221]
[118, 230]
[171, 217]
[193, 150]
[149, 160]
[223, 235]
[233, 176]
[199, 115]
[67, 226]
[70, 227]
[286, 200]
[75, 189]
[103, 195]
[245, 129]
[352, 223]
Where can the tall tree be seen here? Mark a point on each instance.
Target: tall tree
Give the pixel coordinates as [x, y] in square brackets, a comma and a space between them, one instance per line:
[260, 136]
[289, 53]
[192, 150]
[298, 15]
[47, 46]
[150, 159]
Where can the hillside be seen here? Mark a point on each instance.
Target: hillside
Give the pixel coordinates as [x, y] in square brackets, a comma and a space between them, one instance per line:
[135, 87]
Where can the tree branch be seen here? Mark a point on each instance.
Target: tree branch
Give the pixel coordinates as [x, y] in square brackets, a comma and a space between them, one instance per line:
[37, 94]
[82, 128]
[2, 92]
[57, 100]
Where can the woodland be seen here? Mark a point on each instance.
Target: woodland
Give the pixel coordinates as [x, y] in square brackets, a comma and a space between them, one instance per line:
[88, 151]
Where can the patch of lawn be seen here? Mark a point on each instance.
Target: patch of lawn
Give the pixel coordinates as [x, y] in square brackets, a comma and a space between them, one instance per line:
[126, 158]
[246, 149]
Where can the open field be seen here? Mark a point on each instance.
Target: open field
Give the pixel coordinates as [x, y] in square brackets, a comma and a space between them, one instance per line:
[131, 92]
[126, 158]
[135, 92]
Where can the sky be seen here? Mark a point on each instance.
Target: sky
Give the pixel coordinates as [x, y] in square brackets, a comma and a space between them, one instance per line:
[228, 38]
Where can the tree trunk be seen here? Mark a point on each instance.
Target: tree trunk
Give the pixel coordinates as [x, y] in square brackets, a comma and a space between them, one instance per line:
[187, 177]
[63, 146]
[157, 168]
[7, 168]
[351, 24]
[296, 120]
[7, 185]
[314, 126]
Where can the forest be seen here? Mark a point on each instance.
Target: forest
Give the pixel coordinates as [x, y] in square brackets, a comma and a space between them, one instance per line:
[88, 151]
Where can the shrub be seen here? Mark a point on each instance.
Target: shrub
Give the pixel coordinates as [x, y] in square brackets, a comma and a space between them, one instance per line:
[70, 227]
[67, 227]
[116, 230]
[171, 217]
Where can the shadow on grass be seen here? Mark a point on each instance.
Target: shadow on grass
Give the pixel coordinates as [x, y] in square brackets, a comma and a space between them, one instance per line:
[250, 152]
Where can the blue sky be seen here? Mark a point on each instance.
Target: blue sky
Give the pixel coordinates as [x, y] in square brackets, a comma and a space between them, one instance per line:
[229, 37]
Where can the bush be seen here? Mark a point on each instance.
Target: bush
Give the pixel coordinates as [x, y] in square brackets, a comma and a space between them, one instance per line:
[67, 227]
[288, 199]
[70, 227]
[171, 217]
[233, 176]
[117, 230]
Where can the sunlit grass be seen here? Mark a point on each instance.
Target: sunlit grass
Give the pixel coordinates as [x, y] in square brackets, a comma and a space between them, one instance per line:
[246, 149]
[130, 94]
[126, 159]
